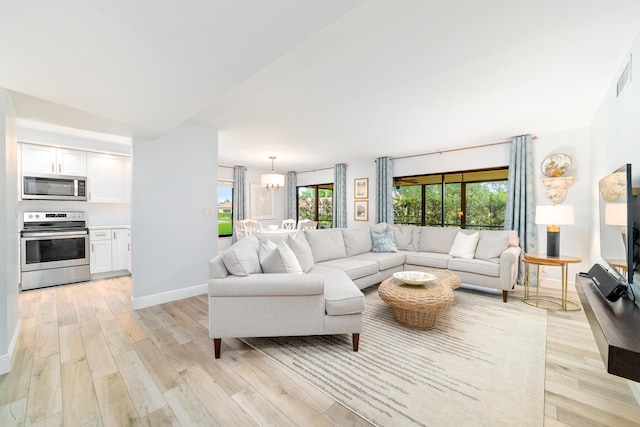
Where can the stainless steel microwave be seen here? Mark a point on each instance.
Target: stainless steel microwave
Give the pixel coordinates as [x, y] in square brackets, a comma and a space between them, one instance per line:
[54, 187]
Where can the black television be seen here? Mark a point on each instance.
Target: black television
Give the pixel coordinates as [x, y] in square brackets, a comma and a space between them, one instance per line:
[617, 238]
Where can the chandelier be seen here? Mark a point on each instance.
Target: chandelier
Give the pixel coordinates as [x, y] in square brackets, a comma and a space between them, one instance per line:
[272, 180]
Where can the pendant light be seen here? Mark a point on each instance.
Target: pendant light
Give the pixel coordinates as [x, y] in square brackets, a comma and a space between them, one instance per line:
[272, 180]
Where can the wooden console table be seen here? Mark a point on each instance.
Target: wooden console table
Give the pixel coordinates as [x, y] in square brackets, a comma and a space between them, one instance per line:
[616, 328]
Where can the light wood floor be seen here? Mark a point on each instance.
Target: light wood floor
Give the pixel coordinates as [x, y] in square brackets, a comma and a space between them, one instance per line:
[85, 358]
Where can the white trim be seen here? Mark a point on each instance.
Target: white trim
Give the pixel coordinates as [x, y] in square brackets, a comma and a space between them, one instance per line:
[6, 360]
[164, 297]
[635, 389]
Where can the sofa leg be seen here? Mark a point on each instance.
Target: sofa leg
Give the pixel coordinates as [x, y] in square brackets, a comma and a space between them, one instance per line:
[356, 341]
[217, 342]
[505, 295]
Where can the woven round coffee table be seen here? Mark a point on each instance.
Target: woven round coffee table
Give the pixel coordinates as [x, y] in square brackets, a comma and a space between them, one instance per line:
[418, 306]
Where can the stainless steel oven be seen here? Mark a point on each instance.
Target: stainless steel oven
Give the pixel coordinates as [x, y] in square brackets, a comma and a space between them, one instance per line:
[54, 249]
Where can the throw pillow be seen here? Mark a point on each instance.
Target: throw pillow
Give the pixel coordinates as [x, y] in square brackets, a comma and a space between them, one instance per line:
[265, 249]
[464, 245]
[300, 247]
[402, 235]
[281, 260]
[383, 242]
[491, 248]
[242, 259]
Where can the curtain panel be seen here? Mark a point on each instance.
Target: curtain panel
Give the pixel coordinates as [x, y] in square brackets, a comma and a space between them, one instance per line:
[340, 196]
[520, 209]
[291, 196]
[239, 196]
[384, 190]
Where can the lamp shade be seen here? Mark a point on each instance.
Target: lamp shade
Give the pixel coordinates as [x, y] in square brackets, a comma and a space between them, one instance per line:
[615, 214]
[272, 180]
[555, 215]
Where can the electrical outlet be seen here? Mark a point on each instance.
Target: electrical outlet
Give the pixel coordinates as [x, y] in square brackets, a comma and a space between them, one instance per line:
[207, 211]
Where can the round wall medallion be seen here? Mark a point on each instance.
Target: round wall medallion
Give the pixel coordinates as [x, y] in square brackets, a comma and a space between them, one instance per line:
[555, 165]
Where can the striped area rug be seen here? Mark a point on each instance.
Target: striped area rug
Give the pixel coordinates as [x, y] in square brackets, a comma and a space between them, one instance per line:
[482, 365]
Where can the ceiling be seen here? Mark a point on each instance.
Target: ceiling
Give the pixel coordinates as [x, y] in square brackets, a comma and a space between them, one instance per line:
[316, 82]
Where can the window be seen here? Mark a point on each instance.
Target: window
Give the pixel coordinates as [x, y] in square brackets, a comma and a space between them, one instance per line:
[472, 199]
[315, 202]
[225, 208]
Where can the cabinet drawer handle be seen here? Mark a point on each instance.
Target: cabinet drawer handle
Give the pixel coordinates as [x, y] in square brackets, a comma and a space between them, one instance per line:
[59, 167]
[101, 234]
[53, 167]
[92, 248]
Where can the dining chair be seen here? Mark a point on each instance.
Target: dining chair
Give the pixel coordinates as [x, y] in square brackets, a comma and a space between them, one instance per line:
[288, 224]
[239, 228]
[307, 224]
[252, 227]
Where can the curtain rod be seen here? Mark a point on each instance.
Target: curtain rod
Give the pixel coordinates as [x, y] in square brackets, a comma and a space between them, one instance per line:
[316, 170]
[533, 138]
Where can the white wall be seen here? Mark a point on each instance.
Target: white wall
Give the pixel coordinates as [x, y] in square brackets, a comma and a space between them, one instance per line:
[174, 180]
[615, 138]
[9, 258]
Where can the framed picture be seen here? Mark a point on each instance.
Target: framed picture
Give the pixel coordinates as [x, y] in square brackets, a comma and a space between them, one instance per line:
[263, 205]
[361, 188]
[361, 210]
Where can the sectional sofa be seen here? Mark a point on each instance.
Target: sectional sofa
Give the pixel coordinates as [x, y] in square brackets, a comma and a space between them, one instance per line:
[309, 283]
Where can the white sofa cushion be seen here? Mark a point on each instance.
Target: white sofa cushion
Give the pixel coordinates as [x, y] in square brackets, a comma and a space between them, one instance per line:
[476, 266]
[437, 239]
[281, 260]
[490, 249]
[326, 244]
[385, 260]
[383, 242]
[357, 240]
[342, 297]
[265, 248]
[355, 268]
[427, 259]
[402, 235]
[464, 245]
[300, 247]
[241, 259]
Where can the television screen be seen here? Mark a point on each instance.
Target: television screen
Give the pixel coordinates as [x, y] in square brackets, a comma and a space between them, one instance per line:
[616, 222]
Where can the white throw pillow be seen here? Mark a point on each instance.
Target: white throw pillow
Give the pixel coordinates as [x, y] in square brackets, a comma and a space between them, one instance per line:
[281, 260]
[490, 249]
[301, 249]
[241, 259]
[464, 245]
[265, 249]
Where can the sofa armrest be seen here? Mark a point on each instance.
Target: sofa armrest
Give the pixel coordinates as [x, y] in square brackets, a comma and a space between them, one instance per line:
[510, 255]
[509, 263]
[259, 285]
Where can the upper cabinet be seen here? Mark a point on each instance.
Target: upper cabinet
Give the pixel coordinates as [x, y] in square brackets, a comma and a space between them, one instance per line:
[52, 160]
[108, 178]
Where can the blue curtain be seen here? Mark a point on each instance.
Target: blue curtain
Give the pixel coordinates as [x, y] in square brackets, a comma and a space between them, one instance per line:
[384, 190]
[239, 195]
[520, 210]
[340, 196]
[291, 196]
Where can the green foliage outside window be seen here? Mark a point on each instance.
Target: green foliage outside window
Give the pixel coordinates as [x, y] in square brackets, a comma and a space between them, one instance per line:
[469, 201]
[315, 202]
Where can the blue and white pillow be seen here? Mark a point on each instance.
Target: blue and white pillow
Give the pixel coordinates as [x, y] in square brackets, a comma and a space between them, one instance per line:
[383, 242]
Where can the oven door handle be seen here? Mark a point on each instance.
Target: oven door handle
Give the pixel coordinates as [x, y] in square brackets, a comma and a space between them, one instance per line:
[53, 233]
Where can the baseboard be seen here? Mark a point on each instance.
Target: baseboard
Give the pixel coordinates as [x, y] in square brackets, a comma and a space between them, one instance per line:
[635, 389]
[165, 297]
[6, 360]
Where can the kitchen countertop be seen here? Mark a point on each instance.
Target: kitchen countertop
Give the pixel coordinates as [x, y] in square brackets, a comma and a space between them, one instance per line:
[107, 227]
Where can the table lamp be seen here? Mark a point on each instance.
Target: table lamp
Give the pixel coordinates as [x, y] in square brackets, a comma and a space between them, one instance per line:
[553, 217]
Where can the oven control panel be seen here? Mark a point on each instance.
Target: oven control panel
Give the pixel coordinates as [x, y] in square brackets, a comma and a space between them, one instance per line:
[53, 216]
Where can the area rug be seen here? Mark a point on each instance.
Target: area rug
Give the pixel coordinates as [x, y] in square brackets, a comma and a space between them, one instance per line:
[482, 365]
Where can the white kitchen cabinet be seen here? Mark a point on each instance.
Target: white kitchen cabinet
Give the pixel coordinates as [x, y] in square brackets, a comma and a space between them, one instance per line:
[104, 178]
[52, 160]
[100, 258]
[110, 250]
[120, 249]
